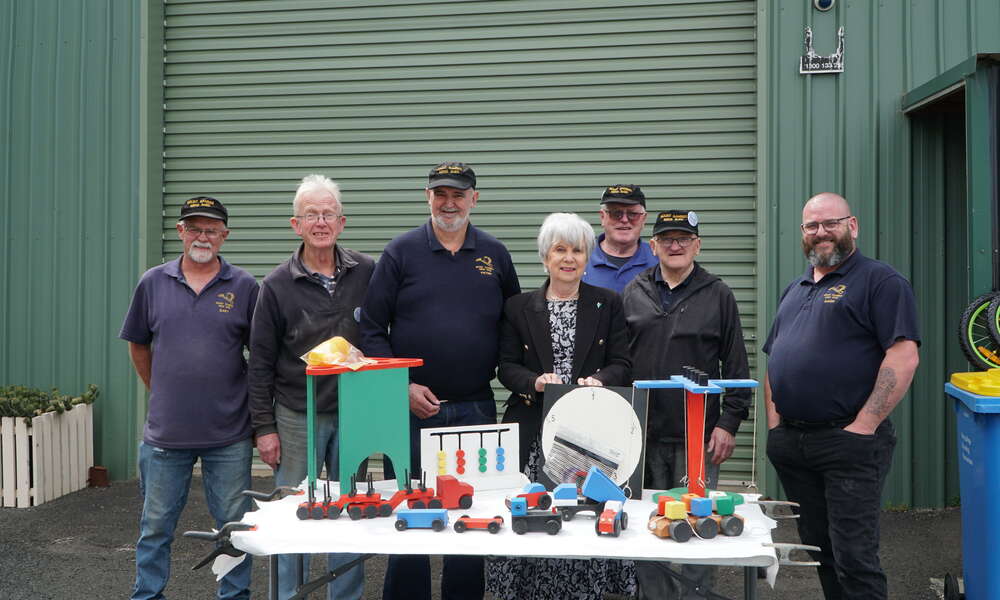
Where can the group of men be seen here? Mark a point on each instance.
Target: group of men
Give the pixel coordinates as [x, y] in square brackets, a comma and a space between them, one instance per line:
[842, 347]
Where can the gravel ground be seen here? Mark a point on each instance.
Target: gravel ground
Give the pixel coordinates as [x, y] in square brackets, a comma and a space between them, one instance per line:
[83, 546]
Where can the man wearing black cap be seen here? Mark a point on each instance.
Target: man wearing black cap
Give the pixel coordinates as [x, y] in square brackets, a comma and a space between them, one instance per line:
[680, 315]
[437, 294]
[186, 328]
[619, 254]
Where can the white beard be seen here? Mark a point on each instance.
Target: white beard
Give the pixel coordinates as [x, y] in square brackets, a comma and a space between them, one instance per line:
[451, 227]
[201, 254]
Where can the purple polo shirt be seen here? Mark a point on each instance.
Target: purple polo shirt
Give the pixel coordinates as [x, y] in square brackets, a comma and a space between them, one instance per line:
[198, 387]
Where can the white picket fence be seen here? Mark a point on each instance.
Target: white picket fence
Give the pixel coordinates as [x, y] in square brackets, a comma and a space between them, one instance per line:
[47, 459]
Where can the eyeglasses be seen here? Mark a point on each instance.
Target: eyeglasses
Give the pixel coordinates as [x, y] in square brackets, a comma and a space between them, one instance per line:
[812, 227]
[329, 217]
[616, 214]
[209, 233]
[683, 242]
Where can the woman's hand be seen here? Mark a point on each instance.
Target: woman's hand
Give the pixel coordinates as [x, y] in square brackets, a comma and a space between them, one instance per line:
[544, 378]
[590, 381]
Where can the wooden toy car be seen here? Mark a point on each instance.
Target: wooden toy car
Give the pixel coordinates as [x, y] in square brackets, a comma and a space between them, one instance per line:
[452, 493]
[670, 520]
[421, 518]
[613, 519]
[536, 496]
[465, 522]
[522, 520]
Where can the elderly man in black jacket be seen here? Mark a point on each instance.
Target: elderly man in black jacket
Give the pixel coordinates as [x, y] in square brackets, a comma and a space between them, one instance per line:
[312, 296]
[679, 314]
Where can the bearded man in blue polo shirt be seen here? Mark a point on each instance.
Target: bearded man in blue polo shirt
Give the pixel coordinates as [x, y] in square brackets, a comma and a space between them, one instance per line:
[437, 294]
[843, 350]
[186, 328]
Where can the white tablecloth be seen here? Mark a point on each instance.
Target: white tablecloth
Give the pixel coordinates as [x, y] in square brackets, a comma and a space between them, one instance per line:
[280, 532]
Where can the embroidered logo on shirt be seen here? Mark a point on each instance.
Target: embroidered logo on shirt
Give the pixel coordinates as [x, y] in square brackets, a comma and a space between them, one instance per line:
[834, 293]
[485, 265]
[226, 301]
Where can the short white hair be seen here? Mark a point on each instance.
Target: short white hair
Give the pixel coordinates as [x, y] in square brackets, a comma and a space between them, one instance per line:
[565, 227]
[315, 182]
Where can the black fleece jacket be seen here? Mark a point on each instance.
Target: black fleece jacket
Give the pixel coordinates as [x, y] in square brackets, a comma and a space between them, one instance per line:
[294, 313]
[701, 329]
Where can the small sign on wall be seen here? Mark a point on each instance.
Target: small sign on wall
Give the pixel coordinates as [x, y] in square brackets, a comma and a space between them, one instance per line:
[810, 62]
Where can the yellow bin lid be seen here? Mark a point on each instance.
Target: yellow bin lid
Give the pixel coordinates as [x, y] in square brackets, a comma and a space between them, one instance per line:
[983, 383]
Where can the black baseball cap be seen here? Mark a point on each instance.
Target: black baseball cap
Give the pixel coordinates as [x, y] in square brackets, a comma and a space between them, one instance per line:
[205, 206]
[624, 194]
[452, 174]
[676, 220]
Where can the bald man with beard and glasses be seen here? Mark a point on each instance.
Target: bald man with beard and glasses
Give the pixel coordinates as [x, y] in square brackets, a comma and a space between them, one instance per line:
[186, 328]
[843, 350]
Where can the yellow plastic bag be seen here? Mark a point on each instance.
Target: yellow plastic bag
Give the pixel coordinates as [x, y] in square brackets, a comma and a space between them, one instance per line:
[336, 351]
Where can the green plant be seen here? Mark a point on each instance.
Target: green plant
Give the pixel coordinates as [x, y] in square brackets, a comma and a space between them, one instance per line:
[21, 401]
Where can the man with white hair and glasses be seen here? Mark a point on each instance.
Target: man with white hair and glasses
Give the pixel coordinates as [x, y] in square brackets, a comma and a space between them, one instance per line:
[186, 328]
[314, 295]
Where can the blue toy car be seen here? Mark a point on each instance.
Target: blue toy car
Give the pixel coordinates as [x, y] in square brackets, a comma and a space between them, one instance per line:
[421, 518]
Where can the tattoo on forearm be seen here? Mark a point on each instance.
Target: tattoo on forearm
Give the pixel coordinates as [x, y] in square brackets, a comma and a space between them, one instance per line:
[879, 403]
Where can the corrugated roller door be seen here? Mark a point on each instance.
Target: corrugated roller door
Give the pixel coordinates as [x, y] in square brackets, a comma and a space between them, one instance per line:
[549, 101]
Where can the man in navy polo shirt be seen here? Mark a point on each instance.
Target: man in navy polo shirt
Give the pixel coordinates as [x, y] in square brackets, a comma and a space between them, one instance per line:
[843, 350]
[186, 328]
[619, 255]
[437, 294]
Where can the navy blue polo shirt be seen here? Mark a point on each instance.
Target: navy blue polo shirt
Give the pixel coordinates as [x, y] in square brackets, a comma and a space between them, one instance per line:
[425, 302]
[198, 386]
[829, 338]
[667, 294]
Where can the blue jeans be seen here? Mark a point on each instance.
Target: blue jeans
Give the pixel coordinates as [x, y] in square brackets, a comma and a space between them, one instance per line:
[837, 477]
[408, 576]
[666, 465]
[164, 480]
[292, 469]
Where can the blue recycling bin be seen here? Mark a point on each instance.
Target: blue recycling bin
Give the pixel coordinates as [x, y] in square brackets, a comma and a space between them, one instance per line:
[978, 420]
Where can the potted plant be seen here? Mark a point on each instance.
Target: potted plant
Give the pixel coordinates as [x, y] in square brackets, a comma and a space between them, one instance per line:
[46, 444]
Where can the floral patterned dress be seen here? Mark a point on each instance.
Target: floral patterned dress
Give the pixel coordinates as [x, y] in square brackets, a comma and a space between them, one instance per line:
[509, 578]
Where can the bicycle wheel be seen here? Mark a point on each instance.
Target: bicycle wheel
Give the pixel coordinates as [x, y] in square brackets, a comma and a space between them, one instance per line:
[978, 344]
[993, 319]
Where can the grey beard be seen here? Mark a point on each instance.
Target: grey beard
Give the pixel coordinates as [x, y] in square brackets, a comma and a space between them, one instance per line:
[834, 258]
[457, 225]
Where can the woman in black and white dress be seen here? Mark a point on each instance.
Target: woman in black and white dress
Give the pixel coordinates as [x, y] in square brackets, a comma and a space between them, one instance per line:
[565, 332]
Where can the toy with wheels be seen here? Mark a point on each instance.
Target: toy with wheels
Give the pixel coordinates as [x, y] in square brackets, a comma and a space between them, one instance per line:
[421, 518]
[465, 523]
[613, 519]
[523, 520]
[452, 493]
[535, 495]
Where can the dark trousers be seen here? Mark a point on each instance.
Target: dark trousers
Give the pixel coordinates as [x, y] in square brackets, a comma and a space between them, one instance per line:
[408, 577]
[837, 477]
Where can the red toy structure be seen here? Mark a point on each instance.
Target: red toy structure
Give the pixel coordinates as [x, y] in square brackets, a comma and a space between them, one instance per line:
[453, 493]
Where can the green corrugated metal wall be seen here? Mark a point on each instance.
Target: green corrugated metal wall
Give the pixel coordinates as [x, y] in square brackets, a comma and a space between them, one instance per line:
[845, 133]
[549, 101]
[68, 181]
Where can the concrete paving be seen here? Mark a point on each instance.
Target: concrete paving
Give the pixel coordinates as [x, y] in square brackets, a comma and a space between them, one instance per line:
[83, 546]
